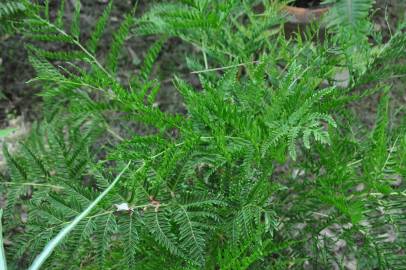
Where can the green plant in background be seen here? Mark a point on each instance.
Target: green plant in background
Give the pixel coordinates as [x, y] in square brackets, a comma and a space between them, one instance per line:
[10, 13]
[6, 132]
[351, 13]
[267, 169]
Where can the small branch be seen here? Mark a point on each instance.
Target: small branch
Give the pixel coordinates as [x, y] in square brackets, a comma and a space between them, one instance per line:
[115, 135]
[320, 214]
[32, 184]
[206, 63]
[77, 43]
[163, 152]
[224, 68]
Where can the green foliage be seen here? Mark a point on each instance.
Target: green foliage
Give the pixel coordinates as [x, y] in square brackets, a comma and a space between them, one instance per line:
[10, 13]
[9, 8]
[5, 132]
[349, 12]
[3, 262]
[268, 168]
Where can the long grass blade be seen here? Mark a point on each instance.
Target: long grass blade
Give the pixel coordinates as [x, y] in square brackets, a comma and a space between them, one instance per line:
[6, 132]
[3, 264]
[40, 259]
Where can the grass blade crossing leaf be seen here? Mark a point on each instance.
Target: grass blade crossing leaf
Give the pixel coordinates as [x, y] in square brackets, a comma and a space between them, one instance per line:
[40, 259]
[3, 264]
[6, 132]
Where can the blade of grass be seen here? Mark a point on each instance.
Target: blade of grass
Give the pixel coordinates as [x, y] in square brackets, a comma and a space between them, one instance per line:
[3, 264]
[40, 259]
[6, 132]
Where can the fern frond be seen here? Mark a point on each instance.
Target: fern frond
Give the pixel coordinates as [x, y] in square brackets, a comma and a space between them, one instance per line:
[9, 8]
[242, 255]
[160, 228]
[191, 235]
[118, 42]
[385, 230]
[99, 28]
[150, 59]
[106, 227]
[75, 26]
[128, 226]
[349, 12]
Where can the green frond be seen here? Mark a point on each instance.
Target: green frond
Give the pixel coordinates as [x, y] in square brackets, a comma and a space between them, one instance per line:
[265, 164]
[292, 136]
[11, 8]
[128, 226]
[191, 235]
[242, 255]
[160, 228]
[385, 230]
[12, 13]
[99, 29]
[382, 151]
[150, 59]
[59, 22]
[75, 25]
[118, 42]
[349, 12]
[106, 227]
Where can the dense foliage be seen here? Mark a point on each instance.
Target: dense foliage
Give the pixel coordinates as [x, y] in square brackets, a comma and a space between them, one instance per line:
[268, 168]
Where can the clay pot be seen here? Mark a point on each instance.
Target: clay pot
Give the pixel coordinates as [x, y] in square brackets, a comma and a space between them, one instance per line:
[297, 15]
[298, 18]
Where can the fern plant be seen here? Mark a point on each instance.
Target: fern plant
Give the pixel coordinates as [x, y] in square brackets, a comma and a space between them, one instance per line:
[10, 14]
[349, 12]
[268, 168]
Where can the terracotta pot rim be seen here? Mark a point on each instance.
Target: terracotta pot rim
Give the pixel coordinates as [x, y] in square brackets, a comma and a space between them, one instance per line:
[305, 15]
[318, 8]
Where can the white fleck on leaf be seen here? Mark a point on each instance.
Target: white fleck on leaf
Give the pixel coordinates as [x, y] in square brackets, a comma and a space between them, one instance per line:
[342, 78]
[123, 207]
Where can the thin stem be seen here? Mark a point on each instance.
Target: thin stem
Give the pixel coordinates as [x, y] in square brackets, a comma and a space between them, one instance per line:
[223, 68]
[206, 63]
[49, 248]
[115, 135]
[161, 153]
[77, 43]
[3, 263]
[32, 184]
[391, 150]
[67, 222]
[182, 143]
